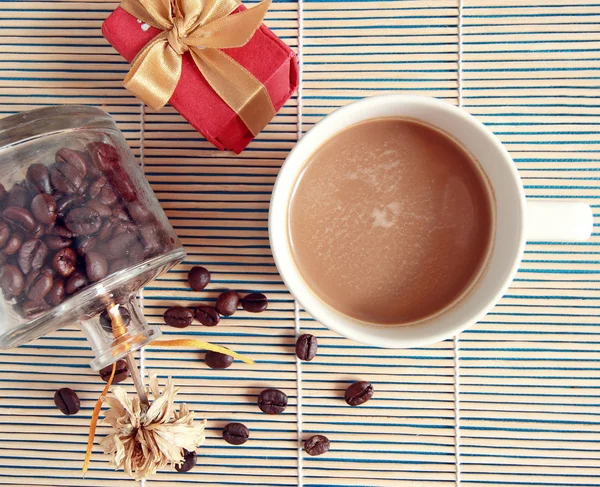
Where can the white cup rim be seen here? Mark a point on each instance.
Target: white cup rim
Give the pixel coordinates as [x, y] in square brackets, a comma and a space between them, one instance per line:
[420, 334]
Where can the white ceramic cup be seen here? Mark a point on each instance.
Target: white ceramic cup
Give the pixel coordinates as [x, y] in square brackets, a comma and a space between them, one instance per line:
[517, 220]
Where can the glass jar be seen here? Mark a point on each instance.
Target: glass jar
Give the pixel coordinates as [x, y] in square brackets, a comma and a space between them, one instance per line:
[80, 231]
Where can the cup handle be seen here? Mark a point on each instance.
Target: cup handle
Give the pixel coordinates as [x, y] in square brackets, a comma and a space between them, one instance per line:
[558, 221]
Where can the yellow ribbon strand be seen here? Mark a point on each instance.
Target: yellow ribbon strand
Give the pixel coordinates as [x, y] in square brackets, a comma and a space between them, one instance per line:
[203, 27]
[94, 421]
[193, 343]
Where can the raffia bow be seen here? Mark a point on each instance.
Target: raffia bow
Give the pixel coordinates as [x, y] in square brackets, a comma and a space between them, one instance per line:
[202, 27]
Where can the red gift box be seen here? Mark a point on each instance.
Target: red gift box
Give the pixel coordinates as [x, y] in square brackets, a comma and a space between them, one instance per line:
[271, 61]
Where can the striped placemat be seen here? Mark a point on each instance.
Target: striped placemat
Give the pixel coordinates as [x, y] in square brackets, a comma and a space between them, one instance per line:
[512, 402]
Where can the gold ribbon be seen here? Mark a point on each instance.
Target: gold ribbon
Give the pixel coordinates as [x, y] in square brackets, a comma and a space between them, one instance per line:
[202, 27]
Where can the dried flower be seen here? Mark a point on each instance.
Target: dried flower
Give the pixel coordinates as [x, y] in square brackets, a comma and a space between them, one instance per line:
[144, 441]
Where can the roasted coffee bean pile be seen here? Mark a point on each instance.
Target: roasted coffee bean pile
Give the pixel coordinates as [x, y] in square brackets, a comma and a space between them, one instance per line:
[70, 224]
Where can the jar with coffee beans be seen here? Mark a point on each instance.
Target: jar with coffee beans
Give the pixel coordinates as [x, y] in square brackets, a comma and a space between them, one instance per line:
[80, 231]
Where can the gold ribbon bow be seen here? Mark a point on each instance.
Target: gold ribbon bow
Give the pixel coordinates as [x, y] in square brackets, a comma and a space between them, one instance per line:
[202, 27]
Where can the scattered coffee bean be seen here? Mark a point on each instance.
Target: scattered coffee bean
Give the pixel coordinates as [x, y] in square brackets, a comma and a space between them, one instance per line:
[189, 461]
[20, 218]
[236, 433]
[306, 347]
[43, 208]
[38, 231]
[121, 372]
[12, 281]
[316, 445]
[64, 262]
[59, 231]
[76, 282]
[179, 317]
[38, 179]
[255, 302]
[96, 266]
[207, 315]
[38, 284]
[227, 303]
[106, 322]
[272, 401]
[218, 360]
[32, 255]
[359, 393]
[18, 196]
[56, 295]
[104, 156]
[67, 401]
[13, 244]
[198, 278]
[83, 221]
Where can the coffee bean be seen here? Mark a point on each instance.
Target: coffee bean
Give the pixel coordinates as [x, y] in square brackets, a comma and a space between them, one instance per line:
[56, 295]
[13, 244]
[76, 282]
[96, 266]
[117, 265]
[139, 212]
[20, 218]
[316, 445]
[43, 208]
[34, 309]
[198, 278]
[104, 156]
[72, 158]
[306, 347]
[67, 203]
[179, 317]
[38, 231]
[54, 242]
[64, 262]
[122, 184]
[12, 280]
[18, 196]
[121, 245]
[150, 236]
[38, 179]
[58, 230]
[236, 433]
[207, 315]
[359, 393]
[66, 178]
[218, 360]
[121, 214]
[272, 401]
[4, 233]
[67, 401]
[103, 191]
[255, 302]
[83, 221]
[121, 372]
[103, 210]
[189, 461]
[227, 303]
[38, 284]
[107, 229]
[32, 255]
[86, 244]
[106, 322]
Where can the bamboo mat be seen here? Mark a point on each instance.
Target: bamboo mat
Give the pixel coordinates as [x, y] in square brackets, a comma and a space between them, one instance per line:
[527, 382]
